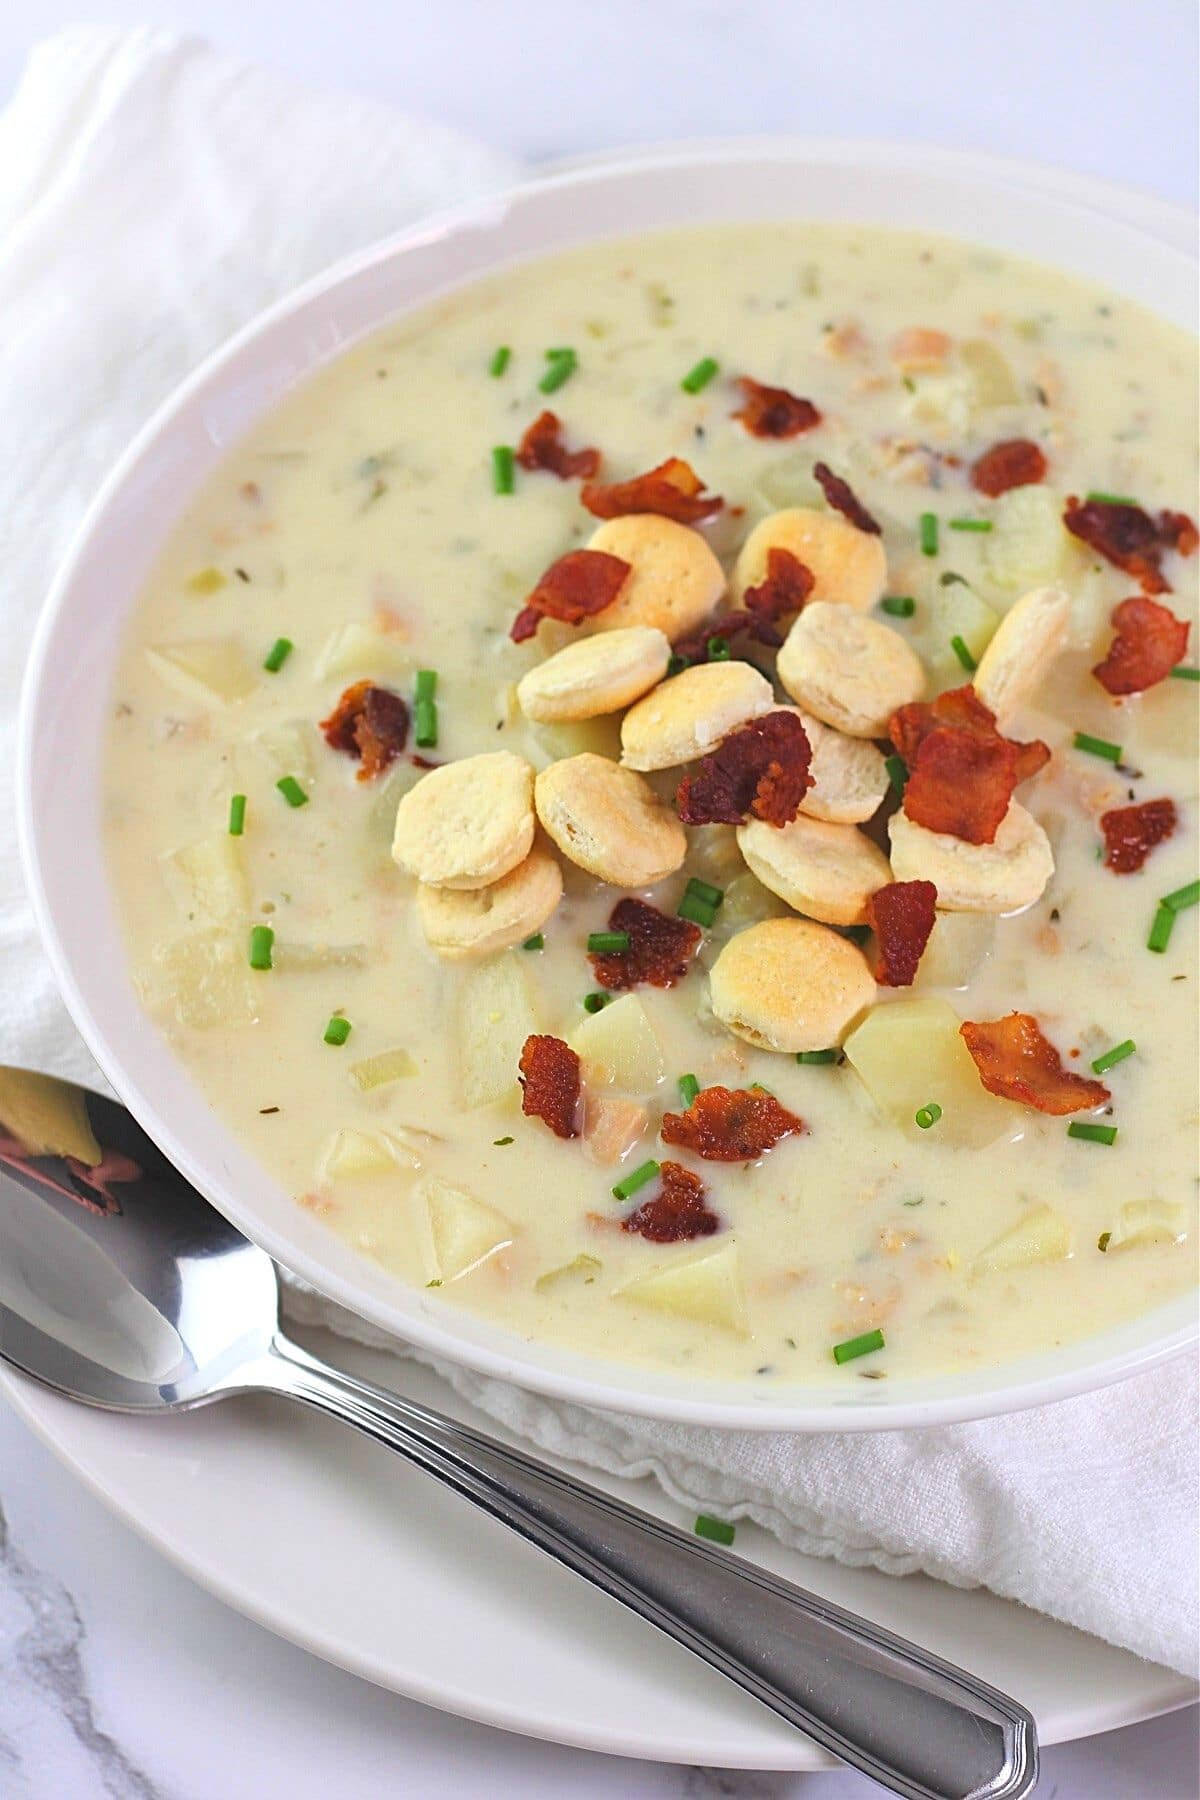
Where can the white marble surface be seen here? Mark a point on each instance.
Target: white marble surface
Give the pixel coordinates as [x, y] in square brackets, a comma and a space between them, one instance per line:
[120, 1680]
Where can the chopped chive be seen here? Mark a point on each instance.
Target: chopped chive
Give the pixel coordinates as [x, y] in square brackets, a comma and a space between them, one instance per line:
[594, 1003]
[817, 1056]
[1182, 898]
[719, 1530]
[337, 1030]
[262, 940]
[500, 1142]
[607, 943]
[928, 1115]
[959, 647]
[1160, 931]
[699, 375]
[237, 815]
[536, 942]
[676, 665]
[718, 649]
[696, 911]
[1097, 747]
[900, 606]
[1185, 672]
[1103, 1241]
[760, 1087]
[500, 360]
[291, 790]
[897, 770]
[689, 1087]
[425, 724]
[502, 469]
[637, 1178]
[425, 684]
[858, 1346]
[969, 524]
[704, 890]
[278, 654]
[927, 527]
[560, 366]
[1112, 1057]
[1102, 499]
[1092, 1134]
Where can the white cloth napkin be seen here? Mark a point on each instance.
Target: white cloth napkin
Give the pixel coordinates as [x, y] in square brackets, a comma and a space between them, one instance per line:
[153, 196]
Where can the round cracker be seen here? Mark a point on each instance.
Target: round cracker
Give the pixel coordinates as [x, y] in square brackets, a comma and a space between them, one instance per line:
[674, 580]
[848, 669]
[848, 566]
[688, 715]
[1004, 876]
[609, 821]
[1023, 646]
[849, 775]
[827, 872]
[466, 824]
[460, 922]
[790, 985]
[595, 675]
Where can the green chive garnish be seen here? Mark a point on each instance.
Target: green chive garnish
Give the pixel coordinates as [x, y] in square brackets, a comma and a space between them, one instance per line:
[1112, 1057]
[959, 647]
[262, 939]
[1101, 499]
[969, 524]
[560, 366]
[425, 724]
[637, 1178]
[689, 1087]
[718, 649]
[699, 375]
[858, 1346]
[1097, 747]
[291, 790]
[928, 1115]
[278, 654]
[900, 606]
[237, 815]
[500, 1142]
[536, 942]
[502, 469]
[676, 665]
[704, 890]
[696, 911]
[928, 529]
[1182, 898]
[897, 770]
[1092, 1134]
[1160, 931]
[337, 1030]
[1185, 672]
[607, 943]
[500, 360]
[817, 1056]
[593, 1003]
[719, 1530]
[425, 684]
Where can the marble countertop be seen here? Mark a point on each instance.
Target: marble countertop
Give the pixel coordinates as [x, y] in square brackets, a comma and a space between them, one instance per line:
[119, 1679]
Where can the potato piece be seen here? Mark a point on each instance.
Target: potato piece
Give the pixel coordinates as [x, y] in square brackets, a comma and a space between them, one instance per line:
[463, 1231]
[581, 1270]
[352, 1153]
[285, 749]
[208, 669]
[358, 649]
[1142, 1222]
[620, 1046]
[1027, 544]
[1041, 1236]
[909, 1052]
[959, 944]
[495, 1015]
[208, 980]
[207, 879]
[994, 383]
[302, 959]
[707, 1288]
[49, 1117]
[746, 902]
[372, 1072]
[713, 854]
[602, 737]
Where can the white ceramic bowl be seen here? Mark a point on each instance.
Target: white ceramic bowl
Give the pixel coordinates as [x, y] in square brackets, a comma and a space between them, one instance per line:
[66, 702]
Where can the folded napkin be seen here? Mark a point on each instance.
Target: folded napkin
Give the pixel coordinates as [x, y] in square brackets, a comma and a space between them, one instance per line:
[153, 196]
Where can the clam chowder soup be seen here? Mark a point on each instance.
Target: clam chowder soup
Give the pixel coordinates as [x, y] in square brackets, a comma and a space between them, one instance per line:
[658, 796]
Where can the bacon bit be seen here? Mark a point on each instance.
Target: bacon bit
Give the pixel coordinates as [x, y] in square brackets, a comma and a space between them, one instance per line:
[962, 772]
[369, 723]
[730, 1124]
[1131, 832]
[1017, 1062]
[542, 448]
[550, 1078]
[1150, 640]
[771, 412]
[729, 627]
[677, 1212]
[1015, 463]
[919, 349]
[660, 949]
[1130, 539]
[577, 586]
[901, 915]
[673, 489]
[761, 768]
[423, 762]
[843, 499]
[783, 590]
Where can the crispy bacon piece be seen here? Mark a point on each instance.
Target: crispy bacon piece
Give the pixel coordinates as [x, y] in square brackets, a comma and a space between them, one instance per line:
[901, 915]
[369, 723]
[1017, 462]
[1150, 640]
[660, 948]
[550, 1079]
[673, 489]
[962, 772]
[730, 1124]
[1017, 1062]
[762, 768]
[1128, 537]
[771, 412]
[727, 629]
[1131, 832]
[577, 586]
[783, 590]
[843, 499]
[542, 448]
[677, 1212]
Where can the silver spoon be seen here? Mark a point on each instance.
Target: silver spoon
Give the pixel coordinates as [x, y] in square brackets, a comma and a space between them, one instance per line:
[121, 1287]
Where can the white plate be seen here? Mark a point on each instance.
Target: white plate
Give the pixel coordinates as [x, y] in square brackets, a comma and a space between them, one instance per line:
[65, 716]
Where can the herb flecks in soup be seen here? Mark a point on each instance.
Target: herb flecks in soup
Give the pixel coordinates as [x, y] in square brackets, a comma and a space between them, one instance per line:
[705, 874]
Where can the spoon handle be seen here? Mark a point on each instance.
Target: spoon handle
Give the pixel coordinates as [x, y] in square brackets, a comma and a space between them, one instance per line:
[918, 1725]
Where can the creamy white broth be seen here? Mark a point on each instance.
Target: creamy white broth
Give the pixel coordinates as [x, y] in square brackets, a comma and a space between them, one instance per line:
[367, 497]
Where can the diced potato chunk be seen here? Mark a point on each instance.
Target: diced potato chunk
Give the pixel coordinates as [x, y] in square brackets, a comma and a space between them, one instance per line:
[958, 945]
[1026, 545]
[208, 979]
[580, 1269]
[352, 1153]
[619, 1045]
[285, 749]
[302, 959]
[372, 1072]
[208, 880]
[713, 854]
[358, 649]
[707, 1288]
[747, 902]
[209, 669]
[956, 611]
[1041, 1236]
[1142, 1222]
[463, 1231]
[49, 1117]
[993, 380]
[909, 1052]
[495, 1016]
[601, 736]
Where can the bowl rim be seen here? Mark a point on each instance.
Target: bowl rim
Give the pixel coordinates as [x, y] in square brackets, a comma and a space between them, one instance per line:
[590, 1381]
